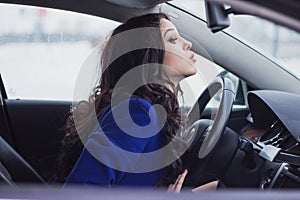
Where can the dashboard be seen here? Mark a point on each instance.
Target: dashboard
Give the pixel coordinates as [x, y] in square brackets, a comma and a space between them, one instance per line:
[274, 120]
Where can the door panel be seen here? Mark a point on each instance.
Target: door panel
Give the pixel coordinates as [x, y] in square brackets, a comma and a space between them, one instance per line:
[37, 128]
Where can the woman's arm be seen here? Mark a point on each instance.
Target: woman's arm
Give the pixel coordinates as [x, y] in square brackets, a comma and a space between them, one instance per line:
[206, 187]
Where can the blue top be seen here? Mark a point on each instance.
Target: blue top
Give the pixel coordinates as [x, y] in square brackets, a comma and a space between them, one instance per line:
[119, 151]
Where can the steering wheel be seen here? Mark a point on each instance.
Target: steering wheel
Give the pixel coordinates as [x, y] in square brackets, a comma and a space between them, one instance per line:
[203, 134]
[215, 130]
[218, 153]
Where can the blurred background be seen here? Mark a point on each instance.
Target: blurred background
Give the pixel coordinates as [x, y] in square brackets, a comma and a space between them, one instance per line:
[51, 47]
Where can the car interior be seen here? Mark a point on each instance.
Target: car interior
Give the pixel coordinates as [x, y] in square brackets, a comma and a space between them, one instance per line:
[255, 140]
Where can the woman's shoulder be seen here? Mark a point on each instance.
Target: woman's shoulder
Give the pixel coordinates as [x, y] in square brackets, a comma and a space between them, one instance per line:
[140, 103]
[141, 107]
[136, 108]
[140, 100]
[133, 114]
[130, 124]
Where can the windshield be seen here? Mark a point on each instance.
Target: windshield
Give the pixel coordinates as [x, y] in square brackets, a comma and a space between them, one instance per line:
[278, 43]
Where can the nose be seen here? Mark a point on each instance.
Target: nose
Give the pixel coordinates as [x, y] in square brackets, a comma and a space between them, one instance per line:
[187, 45]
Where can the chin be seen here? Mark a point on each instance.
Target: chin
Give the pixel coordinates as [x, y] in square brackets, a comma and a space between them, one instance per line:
[191, 72]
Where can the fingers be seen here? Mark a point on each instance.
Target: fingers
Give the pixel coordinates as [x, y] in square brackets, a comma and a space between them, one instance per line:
[180, 180]
[176, 187]
[171, 187]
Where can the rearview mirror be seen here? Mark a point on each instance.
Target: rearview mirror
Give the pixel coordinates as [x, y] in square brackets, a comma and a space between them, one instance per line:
[217, 16]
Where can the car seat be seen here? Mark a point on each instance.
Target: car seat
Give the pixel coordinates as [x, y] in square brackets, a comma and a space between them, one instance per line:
[14, 169]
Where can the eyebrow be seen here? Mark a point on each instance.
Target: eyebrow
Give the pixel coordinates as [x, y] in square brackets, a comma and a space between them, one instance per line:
[170, 29]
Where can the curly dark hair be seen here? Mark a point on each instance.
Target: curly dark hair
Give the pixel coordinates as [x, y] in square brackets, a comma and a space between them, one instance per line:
[113, 68]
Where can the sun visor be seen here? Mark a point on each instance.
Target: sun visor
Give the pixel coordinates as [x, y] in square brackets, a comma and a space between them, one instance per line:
[267, 105]
[137, 3]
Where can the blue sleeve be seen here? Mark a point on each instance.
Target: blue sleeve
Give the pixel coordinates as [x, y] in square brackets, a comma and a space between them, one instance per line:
[103, 160]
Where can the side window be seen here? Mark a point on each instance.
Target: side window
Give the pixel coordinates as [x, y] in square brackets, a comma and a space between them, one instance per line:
[42, 50]
[208, 71]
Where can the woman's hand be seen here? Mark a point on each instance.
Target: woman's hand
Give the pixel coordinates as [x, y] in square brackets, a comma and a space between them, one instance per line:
[176, 187]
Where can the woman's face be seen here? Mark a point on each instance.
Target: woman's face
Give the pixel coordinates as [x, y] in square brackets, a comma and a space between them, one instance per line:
[179, 59]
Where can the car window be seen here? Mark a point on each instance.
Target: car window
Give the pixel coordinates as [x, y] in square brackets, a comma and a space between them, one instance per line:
[49, 54]
[43, 50]
[193, 86]
[207, 70]
[278, 43]
[195, 7]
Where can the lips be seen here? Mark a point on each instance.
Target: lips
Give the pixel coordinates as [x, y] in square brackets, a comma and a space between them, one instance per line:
[192, 58]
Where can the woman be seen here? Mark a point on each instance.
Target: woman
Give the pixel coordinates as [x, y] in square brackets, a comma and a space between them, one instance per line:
[133, 112]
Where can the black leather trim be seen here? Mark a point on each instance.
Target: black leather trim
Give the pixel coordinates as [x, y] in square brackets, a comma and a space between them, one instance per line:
[17, 167]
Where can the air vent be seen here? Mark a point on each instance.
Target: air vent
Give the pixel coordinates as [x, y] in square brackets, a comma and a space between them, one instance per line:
[278, 136]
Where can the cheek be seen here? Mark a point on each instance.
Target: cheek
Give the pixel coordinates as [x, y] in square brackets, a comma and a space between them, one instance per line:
[179, 64]
[171, 52]
[168, 59]
[174, 61]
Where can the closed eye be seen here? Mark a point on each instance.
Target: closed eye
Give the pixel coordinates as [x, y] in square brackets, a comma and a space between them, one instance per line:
[172, 40]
